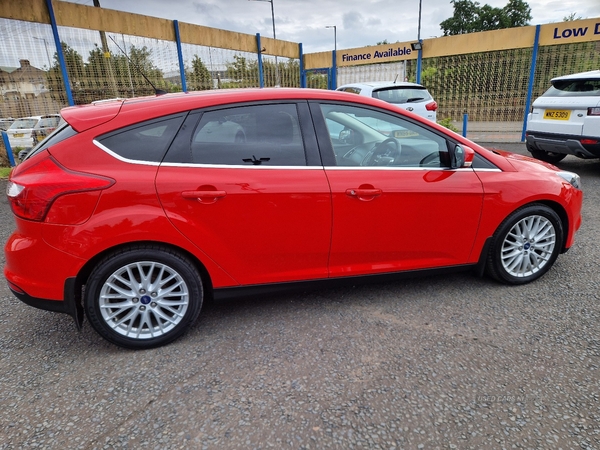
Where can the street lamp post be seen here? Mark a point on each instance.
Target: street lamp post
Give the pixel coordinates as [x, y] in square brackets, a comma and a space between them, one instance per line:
[334, 36]
[277, 79]
[45, 45]
[333, 84]
[420, 56]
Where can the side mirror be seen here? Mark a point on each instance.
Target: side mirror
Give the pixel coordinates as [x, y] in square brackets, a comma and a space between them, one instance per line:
[462, 157]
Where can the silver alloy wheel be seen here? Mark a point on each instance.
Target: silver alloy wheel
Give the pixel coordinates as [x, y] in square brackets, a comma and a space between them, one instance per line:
[528, 246]
[144, 300]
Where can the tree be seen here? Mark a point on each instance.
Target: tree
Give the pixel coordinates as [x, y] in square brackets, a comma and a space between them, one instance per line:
[75, 71]
[199, 78]
[571, 17]
[516, 13]
[464, 19]
[470, 17]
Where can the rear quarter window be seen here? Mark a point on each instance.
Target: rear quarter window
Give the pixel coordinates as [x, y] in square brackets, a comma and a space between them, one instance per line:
[59, 135]
[146, 141]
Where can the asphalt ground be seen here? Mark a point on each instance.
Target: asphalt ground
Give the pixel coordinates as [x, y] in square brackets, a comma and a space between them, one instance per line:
[450, 361]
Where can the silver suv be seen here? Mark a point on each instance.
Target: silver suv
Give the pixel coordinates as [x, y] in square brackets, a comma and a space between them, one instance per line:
[565, 120]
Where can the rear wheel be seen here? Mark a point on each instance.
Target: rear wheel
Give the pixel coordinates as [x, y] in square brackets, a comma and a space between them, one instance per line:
[143, 297]
[525, 245]
[550, 157]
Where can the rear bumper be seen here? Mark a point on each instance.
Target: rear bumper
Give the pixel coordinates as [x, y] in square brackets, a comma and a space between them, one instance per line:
[563, 144]
[71, 304]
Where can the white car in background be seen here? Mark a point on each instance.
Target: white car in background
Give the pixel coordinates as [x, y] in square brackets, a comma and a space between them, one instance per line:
[410, 96]
[20, 133]
[565, 120]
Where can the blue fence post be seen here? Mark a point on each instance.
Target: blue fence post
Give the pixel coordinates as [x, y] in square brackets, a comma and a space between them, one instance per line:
[9, 152]
[302, 72]
[465, 120]
[334, 70]
[59, 52]
[261, 75]
[536, 43]
[180, 56]
[419, 62]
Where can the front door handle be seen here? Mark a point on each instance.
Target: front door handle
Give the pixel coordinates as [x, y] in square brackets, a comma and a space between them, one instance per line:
[206, 197]
[364, 194]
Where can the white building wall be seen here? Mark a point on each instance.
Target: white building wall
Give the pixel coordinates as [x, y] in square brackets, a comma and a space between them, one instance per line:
[372, 72]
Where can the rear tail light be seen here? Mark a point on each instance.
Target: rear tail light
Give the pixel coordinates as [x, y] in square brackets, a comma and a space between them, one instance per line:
[431, 106]
[589, 141]
[32, 191]
[594, 111]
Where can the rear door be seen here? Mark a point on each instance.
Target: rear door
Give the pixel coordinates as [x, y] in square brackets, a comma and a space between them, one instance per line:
[246, 185]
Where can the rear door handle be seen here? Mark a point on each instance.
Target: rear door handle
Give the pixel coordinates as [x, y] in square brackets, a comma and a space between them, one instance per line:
[206, 197]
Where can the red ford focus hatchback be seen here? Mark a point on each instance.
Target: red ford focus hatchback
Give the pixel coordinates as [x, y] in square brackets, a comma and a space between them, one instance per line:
[133, 211]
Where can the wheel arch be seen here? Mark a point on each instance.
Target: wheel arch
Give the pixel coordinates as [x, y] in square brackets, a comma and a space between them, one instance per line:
[84, 273]
[562, 214]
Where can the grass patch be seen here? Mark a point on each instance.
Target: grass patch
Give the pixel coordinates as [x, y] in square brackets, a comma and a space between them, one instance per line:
[5, 171]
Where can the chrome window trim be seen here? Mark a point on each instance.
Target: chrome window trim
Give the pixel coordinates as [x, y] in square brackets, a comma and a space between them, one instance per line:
[261, 167]
[120, 158]
[205, 166]
[241, 166]
[399, 168]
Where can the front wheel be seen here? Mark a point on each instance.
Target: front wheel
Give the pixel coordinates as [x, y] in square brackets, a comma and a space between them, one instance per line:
[143, 297]
[525, 245]
[549, 157]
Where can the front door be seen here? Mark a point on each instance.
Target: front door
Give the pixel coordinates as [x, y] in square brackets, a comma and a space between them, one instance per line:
[396, 203]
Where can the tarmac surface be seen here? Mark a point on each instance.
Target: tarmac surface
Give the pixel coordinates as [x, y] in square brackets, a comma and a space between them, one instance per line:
[450, 361]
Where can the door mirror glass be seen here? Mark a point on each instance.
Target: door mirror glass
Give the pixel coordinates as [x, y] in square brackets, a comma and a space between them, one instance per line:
[462, 157]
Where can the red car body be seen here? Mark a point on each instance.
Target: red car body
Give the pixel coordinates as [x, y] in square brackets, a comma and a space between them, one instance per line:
[76, 203]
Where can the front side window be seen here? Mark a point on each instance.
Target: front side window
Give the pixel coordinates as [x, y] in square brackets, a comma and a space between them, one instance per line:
[249, 135]
[366, 138]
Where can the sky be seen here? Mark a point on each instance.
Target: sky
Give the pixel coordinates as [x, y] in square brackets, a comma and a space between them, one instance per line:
[358, 22]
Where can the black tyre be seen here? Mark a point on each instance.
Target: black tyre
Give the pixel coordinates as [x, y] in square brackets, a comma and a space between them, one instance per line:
[525, 245]
[549, 157]
[143, 297]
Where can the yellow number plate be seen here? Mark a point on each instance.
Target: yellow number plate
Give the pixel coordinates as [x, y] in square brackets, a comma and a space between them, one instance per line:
[557, 114]
[18, 135]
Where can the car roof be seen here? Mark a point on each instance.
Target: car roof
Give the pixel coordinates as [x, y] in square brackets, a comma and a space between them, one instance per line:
[383, 84]
[85, 117]
[592, 74]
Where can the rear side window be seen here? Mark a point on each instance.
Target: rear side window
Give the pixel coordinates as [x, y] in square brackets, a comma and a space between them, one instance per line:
[46, 122]
[401, 95]
[23, 124]
[574, 88]
[147, 141]
[60, 134]
[246, 135]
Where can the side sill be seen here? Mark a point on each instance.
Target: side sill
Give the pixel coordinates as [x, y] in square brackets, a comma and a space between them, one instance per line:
[328, 283]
